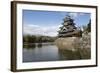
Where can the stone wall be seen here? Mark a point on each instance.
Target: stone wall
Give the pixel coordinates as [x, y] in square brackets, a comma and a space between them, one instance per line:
[67, 43]
[81, 44]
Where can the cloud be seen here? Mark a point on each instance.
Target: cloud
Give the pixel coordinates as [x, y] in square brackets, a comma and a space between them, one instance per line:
[75, 14]
[40, 30]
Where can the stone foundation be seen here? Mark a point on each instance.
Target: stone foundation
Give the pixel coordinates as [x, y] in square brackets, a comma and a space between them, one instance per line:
[68, 43]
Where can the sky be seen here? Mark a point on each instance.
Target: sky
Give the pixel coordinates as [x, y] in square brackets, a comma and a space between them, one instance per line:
[48, 22]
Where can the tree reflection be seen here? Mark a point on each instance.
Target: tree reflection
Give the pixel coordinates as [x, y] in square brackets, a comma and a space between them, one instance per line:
[39, 45]
[29, 46]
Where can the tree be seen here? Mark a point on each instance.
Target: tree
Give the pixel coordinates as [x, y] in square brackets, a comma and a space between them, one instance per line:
[89, 26]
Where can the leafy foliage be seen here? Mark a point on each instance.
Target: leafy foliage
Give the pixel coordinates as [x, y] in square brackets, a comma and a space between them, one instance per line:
[37, 39]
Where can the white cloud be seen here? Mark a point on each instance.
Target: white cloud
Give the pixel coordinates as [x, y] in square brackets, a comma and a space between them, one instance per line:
[40, 30]
[75, 14]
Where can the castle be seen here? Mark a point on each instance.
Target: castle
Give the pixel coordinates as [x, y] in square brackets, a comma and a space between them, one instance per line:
[69, 29]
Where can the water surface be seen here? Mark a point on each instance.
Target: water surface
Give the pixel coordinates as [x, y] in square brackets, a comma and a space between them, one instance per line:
[47, 52]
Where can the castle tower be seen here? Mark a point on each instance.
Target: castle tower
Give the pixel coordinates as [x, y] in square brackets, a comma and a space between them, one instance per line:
[68, 28]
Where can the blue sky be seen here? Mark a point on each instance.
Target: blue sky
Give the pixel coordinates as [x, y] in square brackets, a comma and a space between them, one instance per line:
[48, 22]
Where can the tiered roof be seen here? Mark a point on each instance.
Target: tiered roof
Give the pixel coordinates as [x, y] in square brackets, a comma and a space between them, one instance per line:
[68, 26]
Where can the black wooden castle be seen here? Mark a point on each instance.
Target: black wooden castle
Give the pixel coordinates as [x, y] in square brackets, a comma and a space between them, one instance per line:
[69, 29]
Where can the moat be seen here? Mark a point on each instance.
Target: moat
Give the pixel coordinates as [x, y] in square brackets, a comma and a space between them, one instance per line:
[47, 52]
